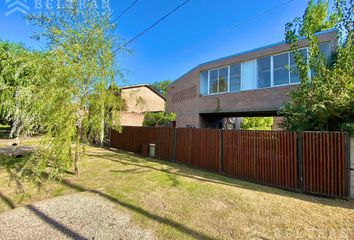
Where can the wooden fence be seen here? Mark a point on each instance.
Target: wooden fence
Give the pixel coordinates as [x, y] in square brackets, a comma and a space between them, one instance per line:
[263, 156]
[311, 162]
[132, 139]
[199, 147]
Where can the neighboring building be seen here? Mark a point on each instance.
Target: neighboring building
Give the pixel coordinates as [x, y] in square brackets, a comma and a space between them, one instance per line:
[140, 99]
[255, 83]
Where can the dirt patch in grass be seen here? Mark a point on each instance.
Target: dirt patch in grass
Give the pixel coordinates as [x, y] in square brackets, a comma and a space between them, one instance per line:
[177, 202]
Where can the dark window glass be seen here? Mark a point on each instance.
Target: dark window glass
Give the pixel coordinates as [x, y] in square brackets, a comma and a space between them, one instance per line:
[235, 77]
[325, 49]
[223, 79]
[295, 75]
[214, 81]
[263, 72]
[281, 73]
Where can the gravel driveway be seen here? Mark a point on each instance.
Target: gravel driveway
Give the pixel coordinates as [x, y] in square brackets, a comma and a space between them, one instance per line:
[77, 216]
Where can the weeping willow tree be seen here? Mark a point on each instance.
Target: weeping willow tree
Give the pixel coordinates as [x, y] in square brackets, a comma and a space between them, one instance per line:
[22, 72]
[76, 102]
[324, 101]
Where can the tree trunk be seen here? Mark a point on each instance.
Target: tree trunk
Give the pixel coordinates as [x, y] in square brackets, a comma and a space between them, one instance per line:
[77, 151]
[102, 126]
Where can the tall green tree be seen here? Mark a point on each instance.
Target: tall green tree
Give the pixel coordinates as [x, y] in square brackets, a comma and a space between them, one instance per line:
[161, 86]
[77, 101]
[325, 100]
[22, 72]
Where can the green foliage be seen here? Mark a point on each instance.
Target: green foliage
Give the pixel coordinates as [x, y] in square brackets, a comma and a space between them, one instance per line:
[22, 72]
[326, 100]
[68, 93]
[77, 102]
[257, 123]
[152, 119]
[162, 86]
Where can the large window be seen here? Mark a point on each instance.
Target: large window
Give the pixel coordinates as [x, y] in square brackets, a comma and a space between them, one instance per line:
[325, 49]
[223, 79]
[270, 71]
[280, 71]
[248, 75]
[294, 71]
[213, 81]
[235, 77]
[263, 72]
[204, 83]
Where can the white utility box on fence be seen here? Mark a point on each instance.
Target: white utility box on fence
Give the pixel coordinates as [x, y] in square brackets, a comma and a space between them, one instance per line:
[352, 167]
[152, 148]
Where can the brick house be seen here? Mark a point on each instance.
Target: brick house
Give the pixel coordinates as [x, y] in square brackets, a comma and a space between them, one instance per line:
[253, 83]
[140, 99]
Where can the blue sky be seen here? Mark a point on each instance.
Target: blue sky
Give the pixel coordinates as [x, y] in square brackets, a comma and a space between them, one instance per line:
[201, 31]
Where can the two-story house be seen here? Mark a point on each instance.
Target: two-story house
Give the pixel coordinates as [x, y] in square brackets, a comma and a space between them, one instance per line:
[254, 83]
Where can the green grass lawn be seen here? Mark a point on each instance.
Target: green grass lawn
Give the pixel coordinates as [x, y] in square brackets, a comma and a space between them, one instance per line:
[178, 202]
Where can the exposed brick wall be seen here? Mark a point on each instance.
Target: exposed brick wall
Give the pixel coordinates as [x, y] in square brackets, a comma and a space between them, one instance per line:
[139, 100]
[131, 119]
[184, 94]
[189, 106]
[142, 99]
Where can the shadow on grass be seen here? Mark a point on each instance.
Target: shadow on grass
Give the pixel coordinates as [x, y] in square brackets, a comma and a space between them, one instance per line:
[163, 220]
[131, 159]
[13, 167]
[7, 200]
[55, 224]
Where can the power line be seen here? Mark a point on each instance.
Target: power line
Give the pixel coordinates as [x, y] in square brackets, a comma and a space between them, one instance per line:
[126, 10]
[234, 27]
[153, 25]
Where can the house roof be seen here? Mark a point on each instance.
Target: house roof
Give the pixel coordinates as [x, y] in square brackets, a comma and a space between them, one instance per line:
[144, 85]
[246, 52]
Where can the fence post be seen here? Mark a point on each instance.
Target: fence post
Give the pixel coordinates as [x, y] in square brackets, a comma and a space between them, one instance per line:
[348, 170]
[222, 167]
[109, 137]
[299, 161]
[174, 144]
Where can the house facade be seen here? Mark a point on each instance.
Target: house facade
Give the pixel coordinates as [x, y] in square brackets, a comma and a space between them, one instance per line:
[253, 83]
[140, 99]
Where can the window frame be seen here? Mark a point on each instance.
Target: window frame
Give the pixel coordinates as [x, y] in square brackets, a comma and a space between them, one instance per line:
[289, 72]
[228, 90]
[228, 80]
[240, 78]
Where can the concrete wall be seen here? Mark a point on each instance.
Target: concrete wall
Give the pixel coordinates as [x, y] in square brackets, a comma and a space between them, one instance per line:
[184, 97]
[352, 167]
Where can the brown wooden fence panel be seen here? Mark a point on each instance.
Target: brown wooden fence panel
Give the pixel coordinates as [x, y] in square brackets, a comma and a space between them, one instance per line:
[132, 138]
[324, 159]
[268, 157]
[199, 148]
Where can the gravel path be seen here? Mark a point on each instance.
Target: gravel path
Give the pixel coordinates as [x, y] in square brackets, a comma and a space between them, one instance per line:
[77, 216]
